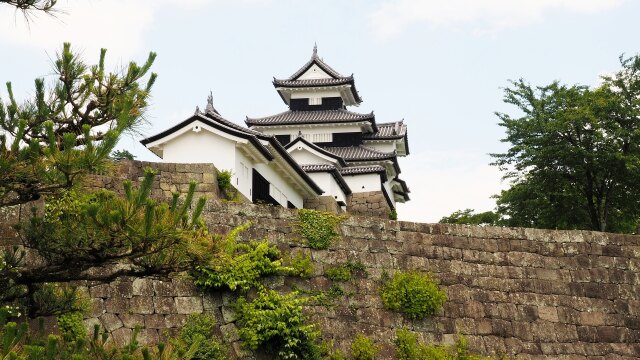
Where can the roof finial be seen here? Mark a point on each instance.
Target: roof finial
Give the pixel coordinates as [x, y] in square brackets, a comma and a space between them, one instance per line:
[315, 50]
[197, 110]
[210, 107]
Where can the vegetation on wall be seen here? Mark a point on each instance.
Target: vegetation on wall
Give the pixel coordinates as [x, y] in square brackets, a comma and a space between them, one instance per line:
[409, 348]
[276, 324]
[344, 272]
[198, 341]
[318, 228]
[239, 265]
[415, 294]
[363, 348]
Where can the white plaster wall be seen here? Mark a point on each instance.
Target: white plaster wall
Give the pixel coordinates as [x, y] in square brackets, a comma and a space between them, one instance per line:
[329, 184]
[381, 146]
[201, 147]
[304, 157]
[314, 72]
[320, 129]
[277, 180]
[305, 94]
[243, 174]
[363, 183]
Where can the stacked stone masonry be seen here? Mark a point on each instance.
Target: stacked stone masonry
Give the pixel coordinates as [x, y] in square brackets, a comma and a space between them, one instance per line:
[323, 203]
[514, 291]
[369, 204]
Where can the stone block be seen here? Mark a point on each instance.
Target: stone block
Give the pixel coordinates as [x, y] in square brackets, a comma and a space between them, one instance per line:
[110, 322]
[141, 305]
[131, 320]
[164, 305]
[100, 291]
[148, 336]
[175, 320]
[116, 305]
[228, 314]
[122, 336]
[229, 332]
[142, 287]
[188, 304]
[184, 287]
[154, 321]
[163, 288]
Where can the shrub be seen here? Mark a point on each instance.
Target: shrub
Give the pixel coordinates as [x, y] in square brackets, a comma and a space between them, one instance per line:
[393, 214]
[71, 326]
[301, 265]
[409, 348]
[363, 348]
[275, 324]
[224, 180]
[197, 339]
[239, 265]
[318, 228]
[415, 294]
[345, 271]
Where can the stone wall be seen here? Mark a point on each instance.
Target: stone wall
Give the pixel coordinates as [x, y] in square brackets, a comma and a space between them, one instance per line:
[526, 292]
[370, 204]
[169, 178]
[323, 203]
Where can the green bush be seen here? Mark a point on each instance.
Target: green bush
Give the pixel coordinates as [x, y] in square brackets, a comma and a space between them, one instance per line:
[363, 348]
[318, 228]
[224, 179]
[239, 265]
[345, 271]
[275, 324]
[198, 340]
[301, 265]
[417, 295]
[409, 348]
[71, 326]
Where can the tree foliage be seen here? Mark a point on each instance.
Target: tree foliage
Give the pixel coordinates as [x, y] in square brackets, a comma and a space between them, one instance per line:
[47, 143]
[470, 217]
[574, 155]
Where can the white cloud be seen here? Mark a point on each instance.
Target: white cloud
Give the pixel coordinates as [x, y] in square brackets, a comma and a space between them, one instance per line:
[118, 25]
[442, 183]
[392, 17]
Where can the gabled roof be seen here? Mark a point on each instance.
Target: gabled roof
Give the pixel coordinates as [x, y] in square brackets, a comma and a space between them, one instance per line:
[361, 170]
[335, 79]
[313, 117]
[405, 190]
[360, 153]
[214, 120]
[316, 148]
[391, 130]
[332, 170]
[315, 59]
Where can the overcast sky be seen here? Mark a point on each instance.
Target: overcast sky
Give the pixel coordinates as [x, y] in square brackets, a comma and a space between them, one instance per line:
[438, 64]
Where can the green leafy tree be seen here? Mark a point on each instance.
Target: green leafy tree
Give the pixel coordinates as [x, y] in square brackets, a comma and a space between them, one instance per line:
[49, 142]
[469, 217]
[122, 155]
[574, 156]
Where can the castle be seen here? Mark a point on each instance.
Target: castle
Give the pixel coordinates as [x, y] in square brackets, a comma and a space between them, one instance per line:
[316, 153]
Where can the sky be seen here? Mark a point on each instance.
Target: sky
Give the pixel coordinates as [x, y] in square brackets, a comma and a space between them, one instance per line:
[441, 65]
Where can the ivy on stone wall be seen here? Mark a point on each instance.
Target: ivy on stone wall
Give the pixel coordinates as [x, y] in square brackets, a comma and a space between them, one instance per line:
[318, 228]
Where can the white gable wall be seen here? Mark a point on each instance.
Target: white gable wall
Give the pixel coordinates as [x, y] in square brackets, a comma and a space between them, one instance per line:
[201, 147]
[309, 93]
[329, 184]
[314, 72]
[363, 182]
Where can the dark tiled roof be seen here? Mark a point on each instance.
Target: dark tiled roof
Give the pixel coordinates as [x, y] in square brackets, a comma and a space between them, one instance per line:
[360, 153]
[220, 119]
[393, 130]
[315, 59]
[355, 170]
[317, 167]
[311, 117]
[314, 82]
